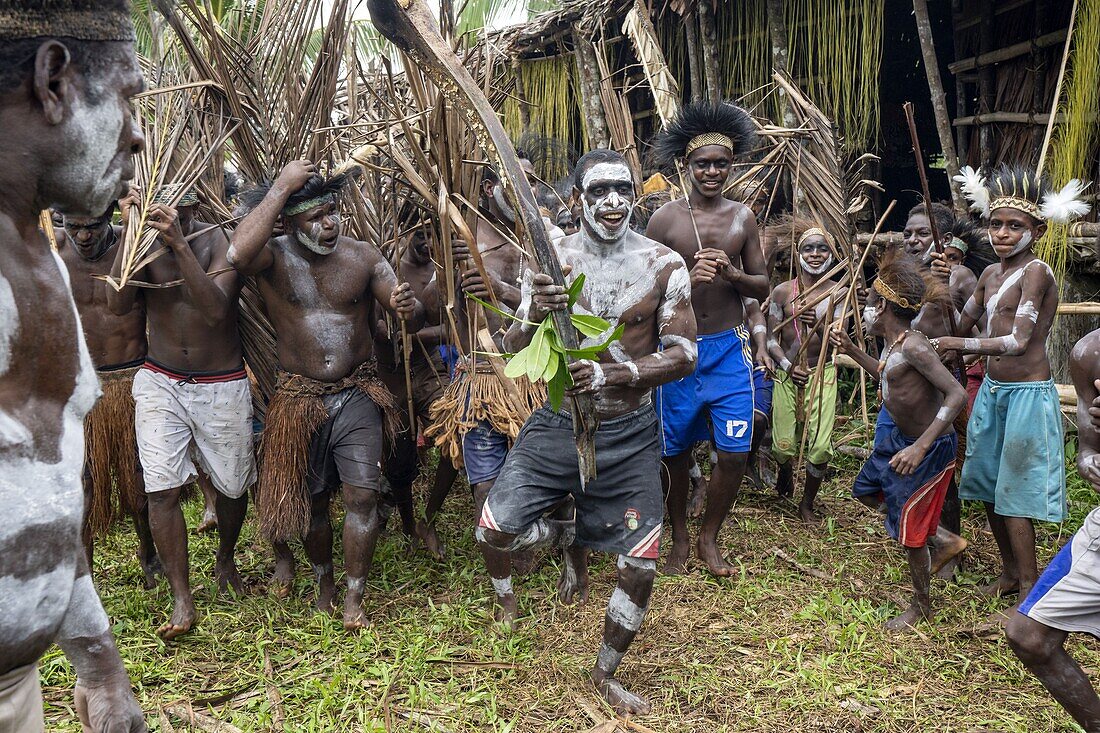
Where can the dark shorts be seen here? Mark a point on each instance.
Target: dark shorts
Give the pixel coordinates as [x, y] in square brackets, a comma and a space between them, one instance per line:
[620, 512]
[762, 386]
[347, 448]
[913, 502]
[484, 449]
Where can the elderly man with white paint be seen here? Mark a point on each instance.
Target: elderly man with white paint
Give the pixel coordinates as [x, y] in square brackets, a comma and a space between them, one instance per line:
[1014, 460]
[67, 69]
[645, 287]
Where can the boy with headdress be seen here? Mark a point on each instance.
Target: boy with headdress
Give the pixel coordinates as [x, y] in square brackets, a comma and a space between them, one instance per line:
[915, 442]
[324, 424]
[801, 416]
[1014, 453]
[719, 241]
[67, 72]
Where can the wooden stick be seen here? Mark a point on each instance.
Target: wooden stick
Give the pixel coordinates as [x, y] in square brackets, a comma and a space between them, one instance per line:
[908, 107]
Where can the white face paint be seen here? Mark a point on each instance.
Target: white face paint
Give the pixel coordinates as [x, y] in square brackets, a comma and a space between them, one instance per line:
[870, 316]
[611, 203]
[501, 200]
[90, 177]
[312, 241]
[809, 270]
[1025, 242]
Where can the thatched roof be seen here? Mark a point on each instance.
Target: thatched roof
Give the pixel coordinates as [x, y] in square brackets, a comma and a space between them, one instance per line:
[547, 34]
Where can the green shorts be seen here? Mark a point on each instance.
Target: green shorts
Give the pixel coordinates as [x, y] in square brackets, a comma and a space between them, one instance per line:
[1015, 453]
[820, 414]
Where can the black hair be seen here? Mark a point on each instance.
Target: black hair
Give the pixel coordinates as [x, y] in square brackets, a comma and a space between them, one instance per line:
[94, 59]
[315, 187]
[699, 118]
[913, 283]
[591, 158]
[943, 214]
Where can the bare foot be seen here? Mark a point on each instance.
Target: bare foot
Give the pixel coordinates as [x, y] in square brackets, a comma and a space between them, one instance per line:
[808, 515]
[573, 582]
[908, 619]
[183, 616]
[326, 597]
[677, 562]
[228, 576]
[426, 533]
[698, 496]
[355, 618]
[944, 551]
[209, 522]
[717, 564]
[151, 568]
[623, 701]
[283, 580]
[505, 610]
[1005, 585]
[524, 562]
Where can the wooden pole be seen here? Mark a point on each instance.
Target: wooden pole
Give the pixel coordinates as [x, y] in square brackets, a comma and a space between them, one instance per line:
[939, 101]
[691, 37]
[987, 93]
[777, 31]
[588, 71]
[709, 47]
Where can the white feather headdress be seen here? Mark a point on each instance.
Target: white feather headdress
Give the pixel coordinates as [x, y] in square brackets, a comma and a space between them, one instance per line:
[1062, 207]
[974, 187]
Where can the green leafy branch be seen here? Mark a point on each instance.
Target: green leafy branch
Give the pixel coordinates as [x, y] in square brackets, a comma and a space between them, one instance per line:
[545, 358]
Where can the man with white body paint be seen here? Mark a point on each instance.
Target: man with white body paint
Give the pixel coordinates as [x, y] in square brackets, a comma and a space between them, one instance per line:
[1066, 598]
[192, 404]
[720, 239]
[324, 424]
[913, 460]
[66, 76]
[795, 349]
[1014, 452]
[644, 286]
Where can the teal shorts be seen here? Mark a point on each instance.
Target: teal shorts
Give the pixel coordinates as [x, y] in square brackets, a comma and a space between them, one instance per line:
[1015, 451]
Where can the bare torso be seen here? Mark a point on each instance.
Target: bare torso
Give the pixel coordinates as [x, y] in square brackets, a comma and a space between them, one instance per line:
[1001, 291]
[179, 336]
[798, 339]
[111, 339]
[321, 305]
[728, 228]
[635, 282]
[47, 386]
[910, 398]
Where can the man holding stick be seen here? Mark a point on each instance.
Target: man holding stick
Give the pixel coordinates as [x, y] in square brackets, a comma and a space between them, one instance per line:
[719, 237]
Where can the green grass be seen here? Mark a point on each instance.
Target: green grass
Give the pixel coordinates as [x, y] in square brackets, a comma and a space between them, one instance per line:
[771, 650]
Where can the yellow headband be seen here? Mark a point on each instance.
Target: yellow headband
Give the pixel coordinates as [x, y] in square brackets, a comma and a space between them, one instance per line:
[1015, 202]
[708, 138]
[815, 231]
[887, 292]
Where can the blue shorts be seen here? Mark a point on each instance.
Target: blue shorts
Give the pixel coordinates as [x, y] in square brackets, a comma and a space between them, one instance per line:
[720, 388]
[913, 502]
[1015, 454]
[762, 386]
[483, 451]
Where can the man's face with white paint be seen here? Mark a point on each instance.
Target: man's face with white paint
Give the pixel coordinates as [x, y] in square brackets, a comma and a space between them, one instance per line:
[917, 236]
[710, 168]
[872, 313]
[814, 255]
[316, 229]
[607, 197]
[100, 136]
[1011, 231]
[89, 234]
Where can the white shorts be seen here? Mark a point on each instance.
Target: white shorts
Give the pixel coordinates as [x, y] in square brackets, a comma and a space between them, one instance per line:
[1067, 594]
[181, 424]
[21, 701]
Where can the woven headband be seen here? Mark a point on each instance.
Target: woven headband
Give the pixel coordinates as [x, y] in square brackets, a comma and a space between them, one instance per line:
[887, 292]
[815, 231]
[708, 138]
[1020, 204]
[307, 205]
[958, 244]
[83, 25]
[168, 192]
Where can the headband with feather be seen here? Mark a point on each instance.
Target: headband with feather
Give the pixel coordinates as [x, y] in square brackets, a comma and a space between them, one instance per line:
[706, 123]
[1015, 187]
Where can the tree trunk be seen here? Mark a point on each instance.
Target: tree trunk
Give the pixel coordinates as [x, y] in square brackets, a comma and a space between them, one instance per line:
[777, 30]
[939, 101]
[987, 93]
[708, 37]
[588, 71]
[691, 35]
[1039, 74]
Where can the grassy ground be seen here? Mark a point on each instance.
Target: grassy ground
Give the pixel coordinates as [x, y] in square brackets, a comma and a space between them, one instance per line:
[775, 649]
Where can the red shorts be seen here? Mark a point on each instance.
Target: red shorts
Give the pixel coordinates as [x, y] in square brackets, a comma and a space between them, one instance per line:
[975, 373]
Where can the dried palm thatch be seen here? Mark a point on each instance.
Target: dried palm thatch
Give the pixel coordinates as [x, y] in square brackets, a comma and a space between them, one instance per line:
[185, 126]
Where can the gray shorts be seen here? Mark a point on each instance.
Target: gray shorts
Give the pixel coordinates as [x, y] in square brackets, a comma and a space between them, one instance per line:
[347, 448]
[1067, 594]
[621, 511]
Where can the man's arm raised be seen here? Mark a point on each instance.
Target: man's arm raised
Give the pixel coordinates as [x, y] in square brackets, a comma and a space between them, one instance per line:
[248, 246]
[1033, 287]
[121, 302]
